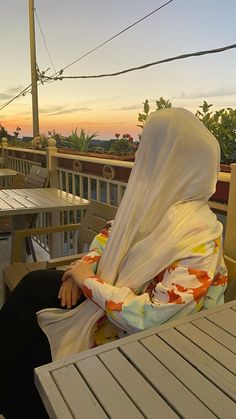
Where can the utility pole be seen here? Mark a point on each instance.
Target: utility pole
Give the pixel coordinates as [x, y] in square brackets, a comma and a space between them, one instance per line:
[34, 77]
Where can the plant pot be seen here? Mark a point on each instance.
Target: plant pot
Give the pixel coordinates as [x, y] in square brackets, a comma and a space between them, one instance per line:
[126, 157]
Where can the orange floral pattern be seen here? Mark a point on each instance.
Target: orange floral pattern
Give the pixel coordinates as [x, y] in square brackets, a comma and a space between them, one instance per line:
[181, 286]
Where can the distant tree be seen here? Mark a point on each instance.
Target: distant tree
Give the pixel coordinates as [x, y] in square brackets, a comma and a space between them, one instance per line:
[3, 132]
[17, 132]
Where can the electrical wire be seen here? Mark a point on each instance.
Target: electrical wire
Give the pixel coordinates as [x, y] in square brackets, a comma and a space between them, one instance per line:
[114, 36]
[25, 91]
[141, 67]
[22, 93]
[178, 57]
[44, 40]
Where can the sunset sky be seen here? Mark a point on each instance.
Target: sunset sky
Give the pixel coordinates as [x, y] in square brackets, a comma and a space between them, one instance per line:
[109, 105]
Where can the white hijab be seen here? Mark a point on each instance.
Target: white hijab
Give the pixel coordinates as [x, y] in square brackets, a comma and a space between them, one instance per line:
[162, 216]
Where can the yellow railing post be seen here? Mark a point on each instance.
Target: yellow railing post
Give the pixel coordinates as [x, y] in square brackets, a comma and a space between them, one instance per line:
[230, 234]
[51, 151]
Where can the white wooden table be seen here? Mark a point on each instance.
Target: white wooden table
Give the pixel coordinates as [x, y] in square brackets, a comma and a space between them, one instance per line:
[185, 368]
[6, 176]
[19, 202]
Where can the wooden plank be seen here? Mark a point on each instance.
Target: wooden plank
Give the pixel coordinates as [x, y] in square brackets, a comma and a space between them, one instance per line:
[171, 389]
[77, 394]
[34, 266]
[217, 333]
[39, 199]
[218, 206]
[12, 274]
[203, 389]
[106, 389]
[7, 172]
[50, 395]
[24, 201]
[53, 197]
[210, 346]
[224, 322]
[4, 206]
[139, 390]
[14, 204]
[203, 362]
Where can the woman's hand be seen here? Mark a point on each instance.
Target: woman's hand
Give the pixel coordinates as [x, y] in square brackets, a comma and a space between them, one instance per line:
[79, 272]
[69, 293]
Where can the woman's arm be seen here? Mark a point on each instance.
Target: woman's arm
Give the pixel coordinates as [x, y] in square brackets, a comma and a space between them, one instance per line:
[97, 247]
[176, 292]
[69, 292]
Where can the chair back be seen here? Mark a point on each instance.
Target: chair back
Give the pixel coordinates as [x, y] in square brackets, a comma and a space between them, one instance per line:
[229, 210]
[96, 217]
[38, 177]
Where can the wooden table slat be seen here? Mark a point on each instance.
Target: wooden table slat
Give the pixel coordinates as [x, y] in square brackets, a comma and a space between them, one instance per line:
[179, 397]
[53, 401]
[70, 384]
[56, 195]
[139, 390]
[161, 366]
[4, 172]
[226, 320]
[107, 390]
[38, 199]
[213, 330]
[210, 368]
[203, 389]
[210, 346]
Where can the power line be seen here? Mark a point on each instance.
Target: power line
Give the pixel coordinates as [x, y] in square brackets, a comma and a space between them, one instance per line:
[45, 43]
[22, 93]
[83, 56]
[178, 57]
[115, 36]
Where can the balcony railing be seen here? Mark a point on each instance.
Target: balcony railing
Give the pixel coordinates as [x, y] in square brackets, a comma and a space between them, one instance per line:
[89, 177]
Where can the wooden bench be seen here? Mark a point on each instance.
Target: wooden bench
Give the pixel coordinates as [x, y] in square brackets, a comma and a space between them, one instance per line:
[96, 217]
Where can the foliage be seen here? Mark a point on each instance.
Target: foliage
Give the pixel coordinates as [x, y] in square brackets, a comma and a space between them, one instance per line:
[143, 116]
[17, 132]
[3, 132]
[160, 104]
[222, 124]
[57, 136]
[79, 142]
[123, 145]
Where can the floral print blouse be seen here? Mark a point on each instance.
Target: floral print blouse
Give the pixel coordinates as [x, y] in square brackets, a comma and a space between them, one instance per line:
[179, 290]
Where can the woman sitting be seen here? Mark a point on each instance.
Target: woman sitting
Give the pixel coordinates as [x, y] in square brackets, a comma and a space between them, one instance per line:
[161, 259]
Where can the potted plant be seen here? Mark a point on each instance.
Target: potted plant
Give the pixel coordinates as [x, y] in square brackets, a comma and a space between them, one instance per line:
[39, 142]
[123, 146]
[222, 124]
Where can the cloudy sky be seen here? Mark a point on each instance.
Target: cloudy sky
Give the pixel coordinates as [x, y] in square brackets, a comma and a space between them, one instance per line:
[71, 28]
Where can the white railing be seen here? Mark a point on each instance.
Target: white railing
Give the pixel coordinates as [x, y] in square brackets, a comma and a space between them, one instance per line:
[69, 173]
[86, 185]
